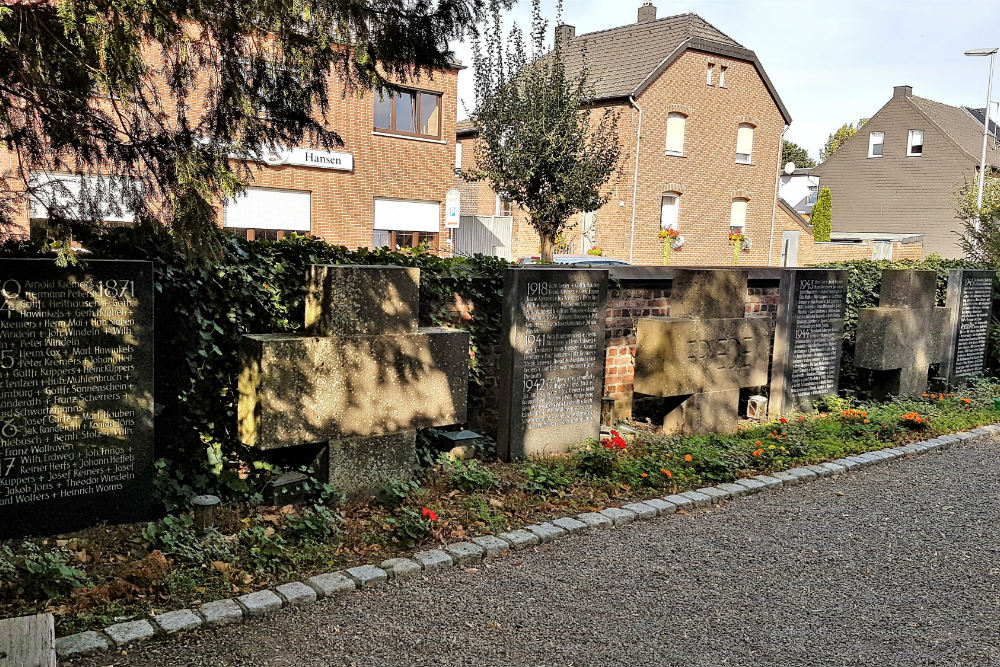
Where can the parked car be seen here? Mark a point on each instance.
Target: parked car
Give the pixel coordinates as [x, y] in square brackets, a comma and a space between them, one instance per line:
[575, 260]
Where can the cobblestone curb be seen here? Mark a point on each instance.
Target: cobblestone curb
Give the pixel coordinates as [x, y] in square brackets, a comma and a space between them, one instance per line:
[260, 603]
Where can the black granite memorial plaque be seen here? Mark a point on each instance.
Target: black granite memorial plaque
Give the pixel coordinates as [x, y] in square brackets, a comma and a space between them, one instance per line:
[552, 360]
[76, 394]
[808, 338]
[970, 302]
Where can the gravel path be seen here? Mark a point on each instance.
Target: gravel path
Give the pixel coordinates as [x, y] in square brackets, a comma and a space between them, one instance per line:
[895, 565]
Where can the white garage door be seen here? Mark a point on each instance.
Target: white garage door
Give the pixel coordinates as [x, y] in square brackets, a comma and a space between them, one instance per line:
[407, 216]
[264, 208]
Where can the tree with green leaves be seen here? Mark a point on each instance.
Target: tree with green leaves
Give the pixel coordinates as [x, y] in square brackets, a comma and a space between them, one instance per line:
[837, 139]
[980, 240]
[821, 217]
[542, 143]
[792, 152]
[148, 101]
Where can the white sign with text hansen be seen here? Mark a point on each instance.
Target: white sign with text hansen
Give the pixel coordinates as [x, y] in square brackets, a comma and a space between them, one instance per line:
[309, 157]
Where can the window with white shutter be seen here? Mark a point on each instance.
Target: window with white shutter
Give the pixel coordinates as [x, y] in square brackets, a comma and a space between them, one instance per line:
[738, 215]
[669, 209]
[875, 143]
[915, 143]
[744, 143]
[675, 133]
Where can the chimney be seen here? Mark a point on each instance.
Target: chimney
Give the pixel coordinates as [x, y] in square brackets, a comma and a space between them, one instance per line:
[564, 33]
[647, 12]
[902, 91]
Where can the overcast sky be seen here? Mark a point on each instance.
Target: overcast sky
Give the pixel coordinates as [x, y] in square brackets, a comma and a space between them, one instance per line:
[831, 60]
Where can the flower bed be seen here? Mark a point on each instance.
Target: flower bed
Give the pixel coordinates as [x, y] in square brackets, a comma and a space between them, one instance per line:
[109, 574]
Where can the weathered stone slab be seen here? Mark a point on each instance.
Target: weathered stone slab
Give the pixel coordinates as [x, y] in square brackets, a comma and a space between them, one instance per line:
[751, 484]
[641, 510]
[819, 470]
[82, 643]
[359, 300]
[401, 568]
[803, 473]
[331, 583]
[768, 481]
[904, 335]
[595, 520]
[618, 515]
[786, 477]
[296, 593]
[367, 575]
[76, 394]
[699, 499]
[716, 494]
[808, 338]
[182, 620]
[433, 559]
[682, 502]
[552, 359]
[732, 489]
[569, 524]
[493, 546]
[259, 603]
[465, 553]
[297, 389]
[123, 634]
[361, 465]
[662, 506]
[221, 612]
[970, 304]
[546, 532]
[520, 539]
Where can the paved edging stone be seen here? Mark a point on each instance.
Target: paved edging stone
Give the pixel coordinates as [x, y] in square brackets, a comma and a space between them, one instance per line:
[264, 602]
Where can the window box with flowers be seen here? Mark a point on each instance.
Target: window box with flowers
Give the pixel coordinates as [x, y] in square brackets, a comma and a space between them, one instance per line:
[740, 243]
[672, 240]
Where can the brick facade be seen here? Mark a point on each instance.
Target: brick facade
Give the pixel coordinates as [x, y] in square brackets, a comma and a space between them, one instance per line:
[385, 166]
[707, 174]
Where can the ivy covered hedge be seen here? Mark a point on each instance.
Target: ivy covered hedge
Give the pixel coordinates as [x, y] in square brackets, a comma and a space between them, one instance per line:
[864, 284]
[203, 309]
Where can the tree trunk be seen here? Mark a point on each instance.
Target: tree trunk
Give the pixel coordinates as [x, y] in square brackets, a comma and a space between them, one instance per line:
[548, 244]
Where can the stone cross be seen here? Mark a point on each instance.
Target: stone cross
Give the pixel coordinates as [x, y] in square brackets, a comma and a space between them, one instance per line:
[360, 381]
[904, 335]
[703, 353]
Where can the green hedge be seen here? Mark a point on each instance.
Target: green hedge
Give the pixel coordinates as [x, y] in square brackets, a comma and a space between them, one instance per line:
[865, 281]
[202, 311]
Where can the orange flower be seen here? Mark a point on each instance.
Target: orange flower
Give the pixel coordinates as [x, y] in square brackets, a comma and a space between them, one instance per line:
[757, 443]
[924, 394]
[666, 472]
[866, 421]
[688, 458]
[758, 452]
[668, 456]
[645, 474]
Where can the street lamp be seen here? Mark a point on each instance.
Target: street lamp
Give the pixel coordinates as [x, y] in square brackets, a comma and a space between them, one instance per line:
[986, 121]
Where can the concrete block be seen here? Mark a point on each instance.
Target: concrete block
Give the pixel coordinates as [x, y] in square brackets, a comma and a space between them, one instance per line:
[465, 553]
[520, 539]
[178, 621]
[401, 568]
[546, 532]
[123, 634]
[569, 524]
[221, 612]
[433, 559]
[595, 520]
[641, 510]
[82, 643]
[619, 516]
[367, 575]
[493, 546]
[330, 584]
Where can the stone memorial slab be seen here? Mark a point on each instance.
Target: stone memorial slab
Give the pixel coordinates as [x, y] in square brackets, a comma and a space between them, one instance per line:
[970, 304]
[360, 383]
[76, 394]
[552, 360]
[704, 356]
[808, 338]
[904, 335]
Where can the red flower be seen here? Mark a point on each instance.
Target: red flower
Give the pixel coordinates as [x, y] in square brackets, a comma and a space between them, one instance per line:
[429, 514]
[783, 420]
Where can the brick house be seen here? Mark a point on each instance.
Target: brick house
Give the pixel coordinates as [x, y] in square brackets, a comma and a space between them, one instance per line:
[701, 127]
[900, 173]
[385, 186]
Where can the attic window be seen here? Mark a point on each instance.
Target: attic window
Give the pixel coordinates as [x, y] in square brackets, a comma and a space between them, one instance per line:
[711, 73]
[875, 143]
[722, 76]
[915, 143]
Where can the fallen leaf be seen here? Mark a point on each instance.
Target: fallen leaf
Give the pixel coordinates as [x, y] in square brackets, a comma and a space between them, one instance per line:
[221, 566]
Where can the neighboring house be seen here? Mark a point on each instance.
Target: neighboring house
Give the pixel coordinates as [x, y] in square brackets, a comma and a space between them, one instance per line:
[798, 247]
[705, 162]
[900, 173]
[980, 116]
[799, 189]
[384, 186]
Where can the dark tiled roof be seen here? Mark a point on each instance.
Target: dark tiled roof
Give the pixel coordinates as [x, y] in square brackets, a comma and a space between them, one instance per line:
[980, 115]
[961, 126]
[621, 59]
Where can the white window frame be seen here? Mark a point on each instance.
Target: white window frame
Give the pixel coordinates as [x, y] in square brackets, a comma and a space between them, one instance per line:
[872, 144]
[738, 209]
[744, 157]
[812, 195]
[676, 148]
[499, 206]
[282, 200]
[676, 215]
[722, 76]
[711, 74]
[458, 155]
[910, 144]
